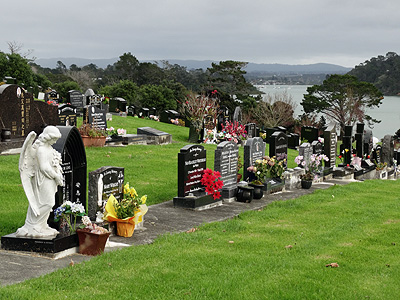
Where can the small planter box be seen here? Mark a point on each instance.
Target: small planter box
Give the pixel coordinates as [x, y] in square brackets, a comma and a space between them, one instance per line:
[273, 185]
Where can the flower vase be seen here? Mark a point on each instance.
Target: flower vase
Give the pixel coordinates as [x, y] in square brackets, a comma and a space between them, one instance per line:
[244, 194]
[5, 135]
[91, 243]
[258, 192]
[306, 184]
[125, 229]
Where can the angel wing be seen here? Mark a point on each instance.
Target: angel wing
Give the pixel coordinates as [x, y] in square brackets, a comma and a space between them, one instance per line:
[27, 167]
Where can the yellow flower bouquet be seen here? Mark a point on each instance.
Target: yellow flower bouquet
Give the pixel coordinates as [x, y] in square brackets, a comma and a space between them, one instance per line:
[127, 212]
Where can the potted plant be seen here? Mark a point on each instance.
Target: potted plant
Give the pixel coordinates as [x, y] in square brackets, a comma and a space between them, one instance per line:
[127, 212]
[92, 238]
[92, 136]
[311, 166]
[268, 172]
[67, 213]
[260, 170]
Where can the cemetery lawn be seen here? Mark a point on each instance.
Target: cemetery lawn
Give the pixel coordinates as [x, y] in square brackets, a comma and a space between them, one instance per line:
[280, 252]
[151, 169]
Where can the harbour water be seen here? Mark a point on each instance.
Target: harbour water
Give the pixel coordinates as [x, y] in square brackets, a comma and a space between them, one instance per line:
[388, 112]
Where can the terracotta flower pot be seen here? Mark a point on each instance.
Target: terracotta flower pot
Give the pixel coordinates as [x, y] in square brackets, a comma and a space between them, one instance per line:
[89, 141]
[125, 229]
[91, 243]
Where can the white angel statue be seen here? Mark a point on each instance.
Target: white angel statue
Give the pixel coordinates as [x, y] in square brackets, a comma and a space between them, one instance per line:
[41, 173]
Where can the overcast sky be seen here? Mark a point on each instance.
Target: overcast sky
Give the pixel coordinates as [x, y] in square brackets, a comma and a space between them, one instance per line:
[262, 31]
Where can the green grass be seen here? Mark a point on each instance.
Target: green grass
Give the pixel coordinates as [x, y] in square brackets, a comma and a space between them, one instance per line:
[356, 226]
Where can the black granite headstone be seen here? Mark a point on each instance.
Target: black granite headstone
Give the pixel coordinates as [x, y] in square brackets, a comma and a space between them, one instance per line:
[317, 147]
[132, 110]
[102, 183]
[192, 161]
[144, 112]
[223, 117]
[360, 128]
[117, 105]
[359, 137]
[75, 98]
[226, 162]
[269, 132]
[67, 115]
[309, 133]
[293, 140]
[167, 115]
[254, 149]
[251, 130]
[278, 145]
[74, 167]
[95, 116]
[330, 146]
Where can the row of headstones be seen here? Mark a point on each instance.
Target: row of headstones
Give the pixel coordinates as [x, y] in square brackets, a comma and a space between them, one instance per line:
[21, 114]
[192, 162]
[365, 148]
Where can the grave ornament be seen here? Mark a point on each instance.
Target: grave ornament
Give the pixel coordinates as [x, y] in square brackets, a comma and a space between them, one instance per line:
[41, 173]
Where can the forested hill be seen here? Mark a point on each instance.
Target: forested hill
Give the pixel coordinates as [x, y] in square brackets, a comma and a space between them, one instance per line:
[382, 71]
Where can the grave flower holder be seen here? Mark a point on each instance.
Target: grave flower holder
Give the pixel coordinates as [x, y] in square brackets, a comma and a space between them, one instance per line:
[273, 185]
[125, 227]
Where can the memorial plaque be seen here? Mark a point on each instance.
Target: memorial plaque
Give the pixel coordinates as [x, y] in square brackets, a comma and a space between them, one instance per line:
[226, 162]
[254, 149]
[278, 145]
[95, 116]
[102, 183]
[330, 146]
[67, 115]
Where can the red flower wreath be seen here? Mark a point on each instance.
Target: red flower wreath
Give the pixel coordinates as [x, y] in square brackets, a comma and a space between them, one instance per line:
[211, 180]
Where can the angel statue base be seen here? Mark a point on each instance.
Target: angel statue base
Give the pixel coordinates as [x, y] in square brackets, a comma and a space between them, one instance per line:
[41, 173]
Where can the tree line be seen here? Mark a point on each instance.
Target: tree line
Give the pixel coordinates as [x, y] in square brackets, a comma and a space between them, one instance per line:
[340, 98]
